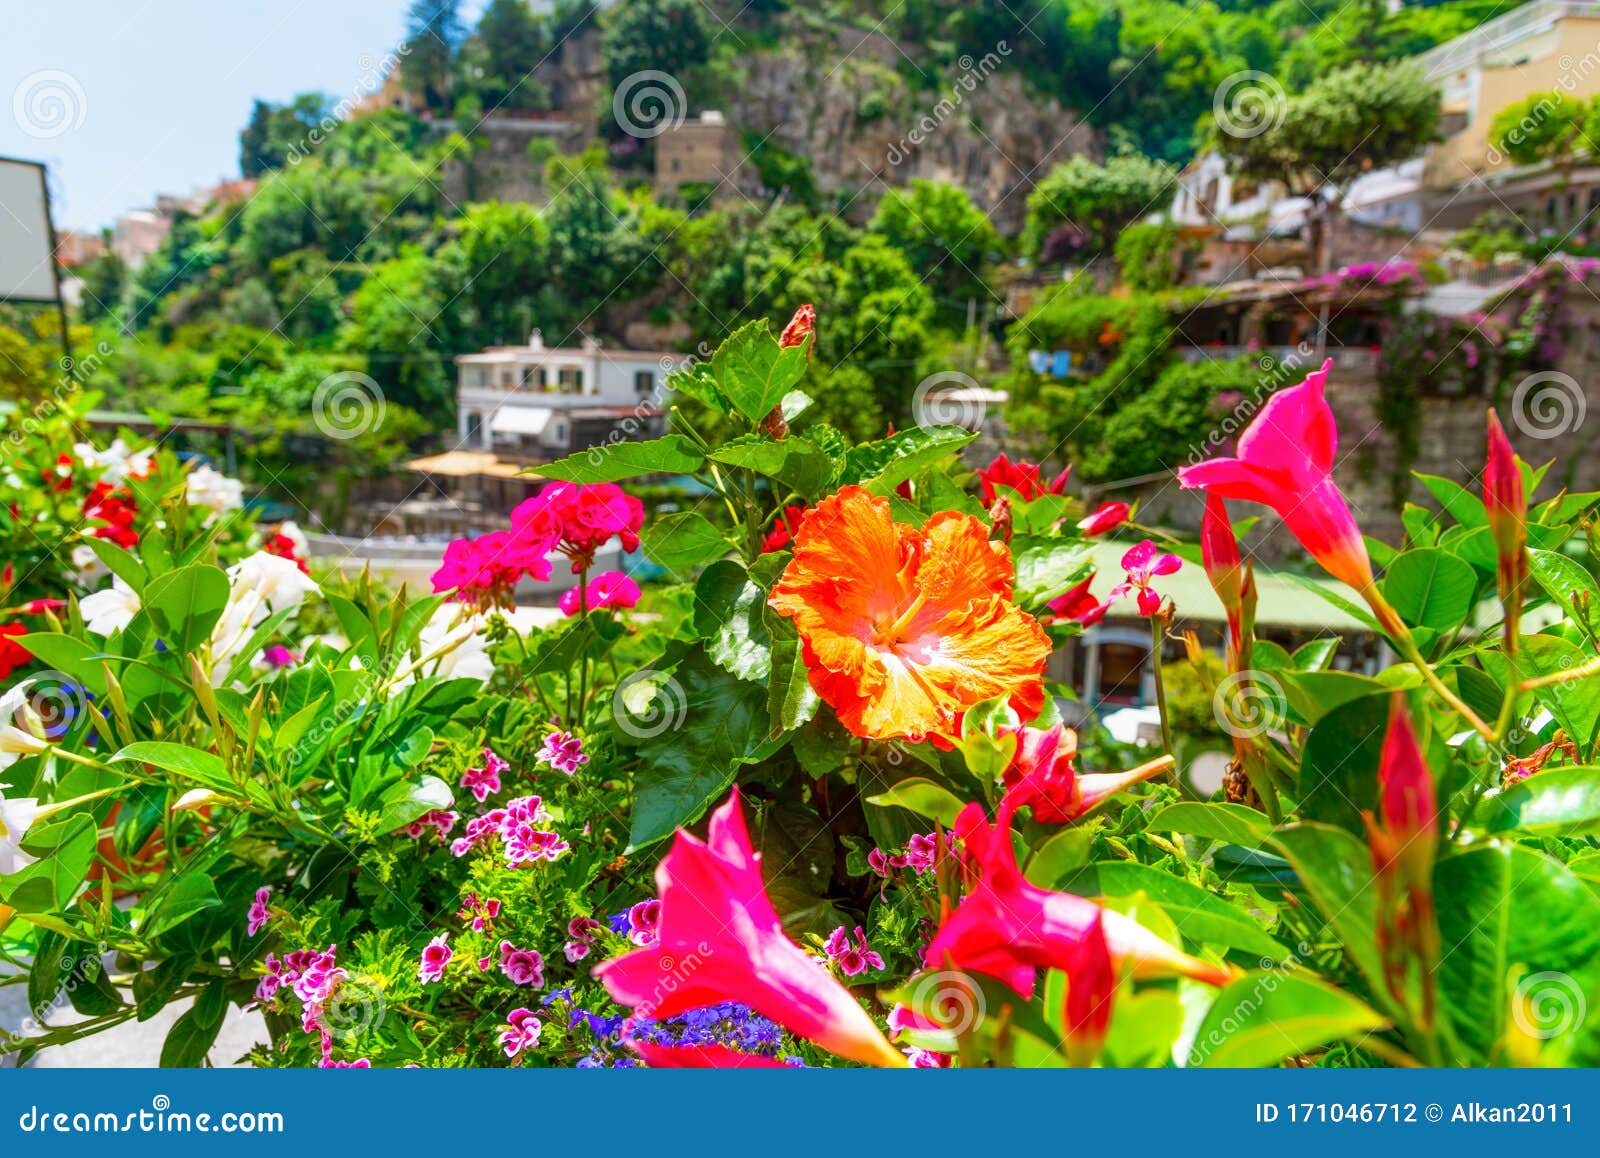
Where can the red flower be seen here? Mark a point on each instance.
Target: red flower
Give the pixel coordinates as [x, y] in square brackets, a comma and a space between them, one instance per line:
[802, 326]
[1022, 477]
[1506, 505]
[1108, 517]
[59, 477]
[1219, 552]
[784, 528]
[1009, 929]
[117, 512]
[12, 654]
[701, 1057]
[1041, 777]
[284, 547]
[1079, 605]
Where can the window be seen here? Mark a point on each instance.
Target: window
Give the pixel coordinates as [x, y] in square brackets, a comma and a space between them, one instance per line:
[571, 380]
[474, 429]
[644, 381]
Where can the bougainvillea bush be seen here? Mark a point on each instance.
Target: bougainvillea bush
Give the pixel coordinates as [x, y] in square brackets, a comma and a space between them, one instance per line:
[809, 801]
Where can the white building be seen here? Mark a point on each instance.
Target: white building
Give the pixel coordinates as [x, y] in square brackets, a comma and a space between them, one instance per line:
[541, 402]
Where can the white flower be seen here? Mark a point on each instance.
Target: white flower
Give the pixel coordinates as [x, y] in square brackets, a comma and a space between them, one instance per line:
[277, 581]
[116, 463]
[87, 567]
[16, 816]
[110, 610]
[16, 742]
[262, 584]
[452, 645]
[214, 490]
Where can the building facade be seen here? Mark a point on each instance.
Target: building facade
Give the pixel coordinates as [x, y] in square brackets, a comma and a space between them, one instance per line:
[538, 403]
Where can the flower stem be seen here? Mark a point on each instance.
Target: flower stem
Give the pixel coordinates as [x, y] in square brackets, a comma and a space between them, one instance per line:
[1400, 634]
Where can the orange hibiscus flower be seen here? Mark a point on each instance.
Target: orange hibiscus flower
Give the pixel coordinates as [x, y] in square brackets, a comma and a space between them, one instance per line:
[902, 630]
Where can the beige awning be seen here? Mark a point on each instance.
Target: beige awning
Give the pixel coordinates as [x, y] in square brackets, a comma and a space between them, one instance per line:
[465, 464]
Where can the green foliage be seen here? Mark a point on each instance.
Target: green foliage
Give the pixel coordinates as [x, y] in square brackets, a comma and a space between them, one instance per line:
[1150, 256]
[654, 35]
[1095, 200]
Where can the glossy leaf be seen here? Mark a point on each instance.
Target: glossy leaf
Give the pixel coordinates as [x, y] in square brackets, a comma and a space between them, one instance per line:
[1262, 1019]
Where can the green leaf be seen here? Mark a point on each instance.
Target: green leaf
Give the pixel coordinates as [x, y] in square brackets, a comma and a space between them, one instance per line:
[728, 615]
[1560, 802]
[203, 768]
[1575, 704]
[121, 563]
[1430, 587]
[753, 372]
[1047, 568]
[1507, 910]
[1335, 868]
[1262, 1019]
[1339, 764]
[923, 797]
[180, 900]
[65, 852]
[188, 1041]
[672, 454]
[796, 462]
[406, 801]
[682, 540]
[1233, 823]
[1060, 856]
[1313, 694]
[1567, 583]
[1198, 914]
[1322, 591]
[1461, 504]
[888, 462]
[695, 727]
[791, 701]
[185, 605]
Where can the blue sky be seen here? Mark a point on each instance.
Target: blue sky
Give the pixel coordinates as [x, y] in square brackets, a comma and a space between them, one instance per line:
[152, 93]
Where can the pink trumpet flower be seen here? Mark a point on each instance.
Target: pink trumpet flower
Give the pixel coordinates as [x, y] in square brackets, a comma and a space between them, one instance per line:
[1219, 552]
[1285, 461]
[1107, 517]
[1009, 929]
[1506, 505]
[1089, 991]
[719, 939]
[1041, 776]
[702, 1057]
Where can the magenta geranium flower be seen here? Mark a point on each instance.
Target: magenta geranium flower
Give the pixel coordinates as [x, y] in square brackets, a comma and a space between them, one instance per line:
[521, 1032]
[259, 914]
[563, 751]
[434, 959]
[522, 966]
[643, 921]
[1285, 461]
[607, 589]
[852, 957]
[484, 781]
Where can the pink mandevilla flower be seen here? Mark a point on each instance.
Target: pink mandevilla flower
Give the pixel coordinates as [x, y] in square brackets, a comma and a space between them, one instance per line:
[1108, 517]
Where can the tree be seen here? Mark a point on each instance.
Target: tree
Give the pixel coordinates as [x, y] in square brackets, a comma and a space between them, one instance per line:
[433, 33]
[1538, 127]
[279, 134]
[654, 35]
[514, 42]
[105, 279]
[1095, 200]
[947, 239]
[1319, 140]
